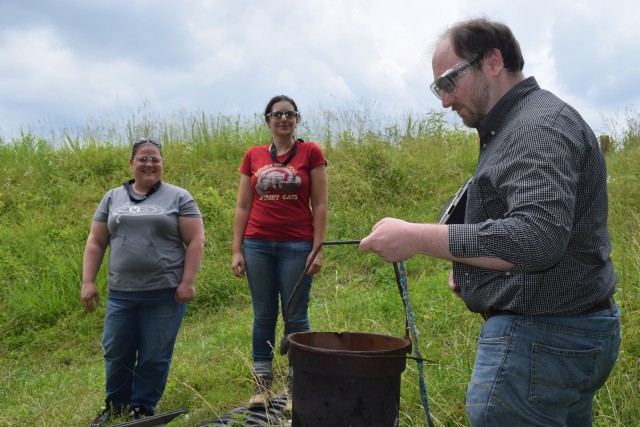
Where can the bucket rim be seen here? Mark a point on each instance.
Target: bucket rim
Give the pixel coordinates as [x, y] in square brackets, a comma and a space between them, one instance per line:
[392, 352]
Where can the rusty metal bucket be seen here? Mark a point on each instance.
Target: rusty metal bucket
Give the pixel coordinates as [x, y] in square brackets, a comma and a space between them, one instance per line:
[347, 378]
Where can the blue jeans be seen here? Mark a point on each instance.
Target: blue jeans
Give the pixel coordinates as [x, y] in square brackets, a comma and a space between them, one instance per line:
[138, 341]
[542, 370]
[273, 269]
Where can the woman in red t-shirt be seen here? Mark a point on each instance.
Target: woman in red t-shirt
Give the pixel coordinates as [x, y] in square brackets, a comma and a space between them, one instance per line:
[280, 219]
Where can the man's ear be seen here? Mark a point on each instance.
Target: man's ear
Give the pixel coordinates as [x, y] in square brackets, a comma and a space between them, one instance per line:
[494, 62]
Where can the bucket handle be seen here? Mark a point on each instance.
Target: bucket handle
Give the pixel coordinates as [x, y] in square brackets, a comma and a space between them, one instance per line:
[284, 344]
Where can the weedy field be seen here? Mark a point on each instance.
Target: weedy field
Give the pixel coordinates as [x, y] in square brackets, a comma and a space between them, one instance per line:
[51, 368]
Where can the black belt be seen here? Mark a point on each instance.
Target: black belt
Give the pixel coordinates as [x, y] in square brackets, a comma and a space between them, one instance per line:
[602, 305]
[608, 303]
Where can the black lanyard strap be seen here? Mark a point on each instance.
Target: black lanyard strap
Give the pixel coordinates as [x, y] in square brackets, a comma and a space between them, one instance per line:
[137, 198]
[292, 153]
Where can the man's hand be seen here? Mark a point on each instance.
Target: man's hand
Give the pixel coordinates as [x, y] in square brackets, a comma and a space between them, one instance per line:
[393, 239]
[454, 288]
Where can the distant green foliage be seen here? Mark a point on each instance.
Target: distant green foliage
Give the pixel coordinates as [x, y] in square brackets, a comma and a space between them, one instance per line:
[50, 355]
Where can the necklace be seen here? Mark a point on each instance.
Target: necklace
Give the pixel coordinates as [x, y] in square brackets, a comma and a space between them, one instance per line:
[292, 153]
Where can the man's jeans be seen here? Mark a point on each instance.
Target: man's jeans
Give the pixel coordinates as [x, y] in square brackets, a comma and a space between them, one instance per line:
[273, 269]
[138, 342]
[542, 370]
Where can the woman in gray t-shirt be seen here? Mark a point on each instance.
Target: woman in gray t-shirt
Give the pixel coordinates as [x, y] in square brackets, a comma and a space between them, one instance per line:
[156, 238]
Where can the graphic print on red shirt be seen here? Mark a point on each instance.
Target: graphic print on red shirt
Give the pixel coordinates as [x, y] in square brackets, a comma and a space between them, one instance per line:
[281, 193]
[277, 179]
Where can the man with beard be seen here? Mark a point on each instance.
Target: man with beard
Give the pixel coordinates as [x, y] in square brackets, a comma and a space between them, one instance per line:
[533, 253]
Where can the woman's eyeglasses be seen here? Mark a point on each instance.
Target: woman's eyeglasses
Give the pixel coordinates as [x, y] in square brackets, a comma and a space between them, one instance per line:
[280, 114]
[447, 81]
[149, 159]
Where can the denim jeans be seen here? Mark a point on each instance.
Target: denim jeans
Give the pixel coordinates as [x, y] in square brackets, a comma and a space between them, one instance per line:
[138, 341]
[273, 269]
[542, 370]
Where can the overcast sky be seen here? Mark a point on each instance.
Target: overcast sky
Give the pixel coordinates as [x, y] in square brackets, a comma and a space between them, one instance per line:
[67, 62]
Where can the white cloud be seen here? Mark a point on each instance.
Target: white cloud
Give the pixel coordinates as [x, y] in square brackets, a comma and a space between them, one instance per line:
[77, 59]
[33, 62]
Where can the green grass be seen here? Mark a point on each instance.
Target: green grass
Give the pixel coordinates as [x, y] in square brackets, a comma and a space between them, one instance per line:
[51, 367]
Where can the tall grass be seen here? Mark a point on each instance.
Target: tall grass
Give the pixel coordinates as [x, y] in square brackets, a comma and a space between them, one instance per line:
[51, 368]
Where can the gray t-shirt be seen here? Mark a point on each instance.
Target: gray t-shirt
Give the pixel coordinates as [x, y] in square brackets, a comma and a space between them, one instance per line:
[146, 248]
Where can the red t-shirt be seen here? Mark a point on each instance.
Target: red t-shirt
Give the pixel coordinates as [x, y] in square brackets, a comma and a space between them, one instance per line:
[281, 210]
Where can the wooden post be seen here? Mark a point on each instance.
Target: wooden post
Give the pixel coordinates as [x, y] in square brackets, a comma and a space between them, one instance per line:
[605, 143]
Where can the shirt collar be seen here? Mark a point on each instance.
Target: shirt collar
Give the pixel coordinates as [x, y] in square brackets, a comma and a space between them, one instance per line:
[493, 120]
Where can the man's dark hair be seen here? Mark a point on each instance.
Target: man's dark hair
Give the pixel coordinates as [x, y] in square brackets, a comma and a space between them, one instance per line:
[478, 37]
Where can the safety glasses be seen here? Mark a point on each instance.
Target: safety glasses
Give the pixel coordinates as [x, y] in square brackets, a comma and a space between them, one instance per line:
[446, 82]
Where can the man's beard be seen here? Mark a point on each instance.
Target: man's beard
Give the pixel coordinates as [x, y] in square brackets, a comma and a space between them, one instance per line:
[476, 109]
